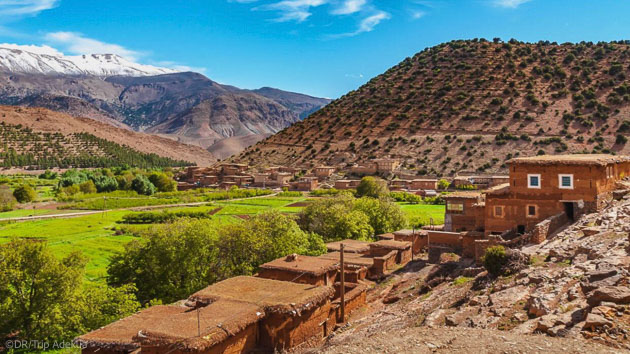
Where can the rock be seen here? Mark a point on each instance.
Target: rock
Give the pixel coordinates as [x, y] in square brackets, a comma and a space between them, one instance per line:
[479, 300]
[616, 294]
[520, 317]
[573, 293]
[538, 305]
[391, 299]
[590, 231]
[594, 321]
[547, 322]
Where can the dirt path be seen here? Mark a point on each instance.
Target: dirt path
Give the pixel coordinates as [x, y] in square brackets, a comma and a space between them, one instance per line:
[140, 208]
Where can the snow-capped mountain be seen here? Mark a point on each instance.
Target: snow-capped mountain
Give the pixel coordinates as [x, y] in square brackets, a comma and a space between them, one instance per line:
[48, 61]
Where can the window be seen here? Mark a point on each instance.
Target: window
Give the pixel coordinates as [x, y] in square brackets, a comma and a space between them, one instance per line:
[455, 207]
[565, 181]
[532, 211]
[533, 181]
[498, 211]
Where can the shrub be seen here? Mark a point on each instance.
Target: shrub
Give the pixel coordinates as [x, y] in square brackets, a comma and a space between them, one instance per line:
[621, 139]
[48, 174]
[443, 184]
[162, 182]
[494, 259]
[24, 193]
[142, 185]
[288, 194]
[7, 200]
[87, 187]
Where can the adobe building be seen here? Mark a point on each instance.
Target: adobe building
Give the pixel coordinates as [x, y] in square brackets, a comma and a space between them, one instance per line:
[301, 269]
[384, 247]
[323, 172]
[304, 184]
[294, 313]
[349, 246]
[386, 165]
[345, 184]
[543, 186]
[464, 211]
[233, 168]
[416, 184]
[398, 185]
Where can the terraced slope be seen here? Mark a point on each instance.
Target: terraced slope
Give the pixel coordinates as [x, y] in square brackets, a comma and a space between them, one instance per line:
[469, 106]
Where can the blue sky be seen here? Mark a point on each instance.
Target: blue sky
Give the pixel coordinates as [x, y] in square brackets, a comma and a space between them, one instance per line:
[320, 47]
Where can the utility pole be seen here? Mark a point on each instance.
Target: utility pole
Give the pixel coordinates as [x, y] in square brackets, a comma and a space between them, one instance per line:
[413, 239]
[198, 323]
[343, 286]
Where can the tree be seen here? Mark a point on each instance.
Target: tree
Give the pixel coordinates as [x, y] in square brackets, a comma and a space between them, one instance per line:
[48, 174]
[443, 184]
[7, 200]
[87, 187]
[372, 187]
[105, 183]
[384, 216]
[24, 193]
[35, 287]
[43, 298]
[334, 219]
[142, 185]
[162, 182]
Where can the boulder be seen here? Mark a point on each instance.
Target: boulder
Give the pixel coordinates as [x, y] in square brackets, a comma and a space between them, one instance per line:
[590, 231]
[547, 322]
[539, 305]
[616, 294]
[594, 321]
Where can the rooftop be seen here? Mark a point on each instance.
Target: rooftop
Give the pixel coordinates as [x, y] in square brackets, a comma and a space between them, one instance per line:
[271, 295]
[353, 246]
[351, 258]
[302, 264]
[576, 159]
[174, 323]
[462, 195]
[392, 245]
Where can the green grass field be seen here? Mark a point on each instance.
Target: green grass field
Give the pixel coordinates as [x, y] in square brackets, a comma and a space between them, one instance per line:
[94, 234]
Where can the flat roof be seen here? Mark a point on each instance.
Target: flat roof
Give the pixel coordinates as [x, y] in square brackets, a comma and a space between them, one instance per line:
[302, 264]
[271, 295]
[175, 324]
[351, 258]
[351, 246]
[462, 195]
[424, 180]
[392, 244]
[575, 159]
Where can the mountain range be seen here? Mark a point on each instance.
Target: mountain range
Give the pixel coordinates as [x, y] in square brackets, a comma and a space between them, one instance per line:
[183, 106]
[467, 106]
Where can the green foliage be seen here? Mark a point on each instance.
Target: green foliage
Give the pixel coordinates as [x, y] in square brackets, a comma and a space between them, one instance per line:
[162, 182]
[142, 185]
[7, 200]
[86, 187]
[384, 216]
[41, 297]
[161, 217]
[621, 139]
[373, 187]
[406, 197]
[24, 193]
[287, 194]
[443, 184]
[48, 174]
[104, 183]
[331, 191]
[174, 260]
[494, 259]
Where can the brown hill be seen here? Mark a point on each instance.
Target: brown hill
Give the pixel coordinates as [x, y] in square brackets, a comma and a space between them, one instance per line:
[469, 106]
[46, 121]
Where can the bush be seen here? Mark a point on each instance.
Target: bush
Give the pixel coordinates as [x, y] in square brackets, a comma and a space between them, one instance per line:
[443, 184]
[48, 174]
[494, 259]
[7, 200]
[161, 217]
[24, 193]
[142, 185]
[290, 194]
[87, 187]
[373, 187]
[162, 182]
[621, 140]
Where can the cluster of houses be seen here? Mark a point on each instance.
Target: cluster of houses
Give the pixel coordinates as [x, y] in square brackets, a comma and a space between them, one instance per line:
[291, 301]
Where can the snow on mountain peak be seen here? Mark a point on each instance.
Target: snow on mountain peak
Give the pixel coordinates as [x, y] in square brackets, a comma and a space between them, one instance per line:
[49, 61]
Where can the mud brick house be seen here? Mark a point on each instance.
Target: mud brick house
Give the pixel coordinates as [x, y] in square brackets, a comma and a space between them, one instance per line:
[293, 313]
[233, 168]
[464, 211]
[344, 184]
[323, 172]
[417, 238]
[399, 184]
[384, 247]
[376, 267]
[350, 246]
[226, 327]
[301, 269]
[543, 186]
[416, 184]
[304, 184]
[386, 165]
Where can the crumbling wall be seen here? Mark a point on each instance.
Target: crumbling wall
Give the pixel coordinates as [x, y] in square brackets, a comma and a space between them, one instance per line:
[383, 264]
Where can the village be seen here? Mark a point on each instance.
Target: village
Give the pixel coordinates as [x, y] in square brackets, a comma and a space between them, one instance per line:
[297, 300]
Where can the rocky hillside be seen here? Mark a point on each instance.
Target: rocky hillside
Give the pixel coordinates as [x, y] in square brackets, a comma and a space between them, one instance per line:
[40, 137]
[470, 106]
[574, 287]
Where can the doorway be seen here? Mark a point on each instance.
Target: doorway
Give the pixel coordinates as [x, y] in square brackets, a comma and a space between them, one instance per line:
[569, 209]
[520, 229]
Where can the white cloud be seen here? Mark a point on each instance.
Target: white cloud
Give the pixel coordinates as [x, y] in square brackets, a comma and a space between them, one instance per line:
[349, 7]
[76, 43]
[293, 10]
[366, 25]
[25, 7]
[416, 14]
[512, 4]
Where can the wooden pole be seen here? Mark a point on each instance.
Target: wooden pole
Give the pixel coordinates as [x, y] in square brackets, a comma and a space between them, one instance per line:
[413, 240]
[343, 286]
[198, 324]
